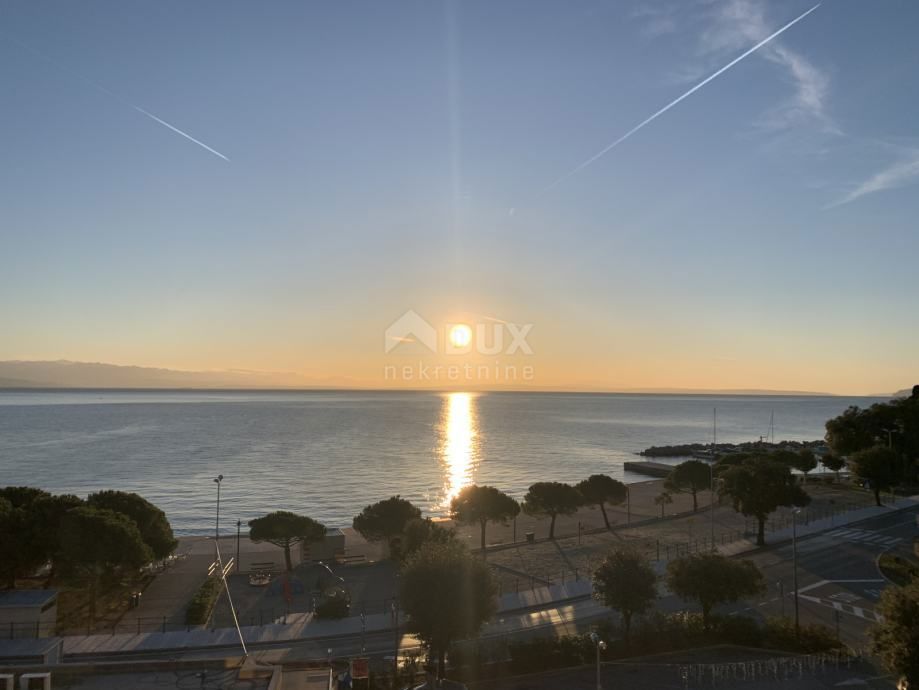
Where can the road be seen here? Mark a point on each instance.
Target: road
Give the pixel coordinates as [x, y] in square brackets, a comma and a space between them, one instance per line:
[839, 584]
[838, 579]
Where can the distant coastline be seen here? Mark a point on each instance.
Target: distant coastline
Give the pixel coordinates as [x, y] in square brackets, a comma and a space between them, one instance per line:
[62, 375]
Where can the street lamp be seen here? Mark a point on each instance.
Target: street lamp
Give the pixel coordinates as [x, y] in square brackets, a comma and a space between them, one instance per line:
[711, 474]
[794, 566]
[217, 480]
[711, 492]
[600, 645]
[239, 524]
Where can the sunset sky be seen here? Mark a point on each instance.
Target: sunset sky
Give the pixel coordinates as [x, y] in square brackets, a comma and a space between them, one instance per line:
[231, 185]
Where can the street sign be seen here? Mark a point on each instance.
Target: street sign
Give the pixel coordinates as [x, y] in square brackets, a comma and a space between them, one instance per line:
[360, 668]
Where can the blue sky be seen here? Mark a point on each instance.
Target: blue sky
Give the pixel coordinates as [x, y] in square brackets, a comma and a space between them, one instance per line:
[387, 156]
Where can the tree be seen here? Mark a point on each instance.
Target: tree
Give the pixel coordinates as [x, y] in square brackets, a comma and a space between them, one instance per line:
[47, 514]
[447, 595]
[29, 530]
[834, 463]
[663, 499]
[712, 579]
[626, 582]
[857, 429]
[97, 542]
[552, 499]
[805, 461]
[385, 521]
[285, 529]
[758, 486]
[150, 520]
[481, 505]
[896, 638]
[600, 489]
[421, 531]
[879, 466]
[692, 476]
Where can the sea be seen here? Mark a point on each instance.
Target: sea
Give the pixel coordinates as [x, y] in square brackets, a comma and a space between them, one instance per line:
[328, 454]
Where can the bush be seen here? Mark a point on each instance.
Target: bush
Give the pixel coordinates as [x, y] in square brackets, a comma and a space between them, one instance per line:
[897, 569]
[543, 653]
[202, 603]
[780, 634]
[335, 605]
[738, 630]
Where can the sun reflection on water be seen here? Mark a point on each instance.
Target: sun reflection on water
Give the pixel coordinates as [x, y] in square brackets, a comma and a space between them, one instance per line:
[459, 451]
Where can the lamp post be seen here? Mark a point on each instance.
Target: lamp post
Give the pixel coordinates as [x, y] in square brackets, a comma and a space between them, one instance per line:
[217, 480]
[239, 524]
[600, 645]
[794, 565]
[711, 475]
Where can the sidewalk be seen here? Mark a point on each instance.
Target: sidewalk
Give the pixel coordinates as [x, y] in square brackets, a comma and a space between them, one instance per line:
[166, 599]
[521, 610]
[816, 526]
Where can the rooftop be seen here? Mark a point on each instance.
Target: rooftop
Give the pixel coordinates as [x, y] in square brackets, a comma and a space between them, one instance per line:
[19, 598]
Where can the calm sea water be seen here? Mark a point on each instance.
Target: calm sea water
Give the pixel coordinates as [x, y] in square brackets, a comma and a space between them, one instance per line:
[327, 454]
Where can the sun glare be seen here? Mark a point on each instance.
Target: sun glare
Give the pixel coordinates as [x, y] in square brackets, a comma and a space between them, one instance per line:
[460, 335]
[459, 452]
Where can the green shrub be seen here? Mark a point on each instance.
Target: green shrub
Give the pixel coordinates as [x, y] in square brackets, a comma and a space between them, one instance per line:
[897, 569]
[813, 638]
[543, 653]
[202, 603]
[738, 630]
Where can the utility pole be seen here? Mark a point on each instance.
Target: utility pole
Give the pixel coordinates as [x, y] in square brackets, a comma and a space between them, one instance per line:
[711, 474]
[239, 524]
[794, 561]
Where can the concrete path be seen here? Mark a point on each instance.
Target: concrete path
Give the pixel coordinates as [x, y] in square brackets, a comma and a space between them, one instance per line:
[166, 598]
[565, 603]
[817, 526]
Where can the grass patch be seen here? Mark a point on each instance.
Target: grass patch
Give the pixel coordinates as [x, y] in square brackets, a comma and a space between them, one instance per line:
[897, 569]
[201, 605]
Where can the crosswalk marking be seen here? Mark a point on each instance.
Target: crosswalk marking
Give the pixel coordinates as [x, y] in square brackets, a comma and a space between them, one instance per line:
[864, 536]
[858, 611]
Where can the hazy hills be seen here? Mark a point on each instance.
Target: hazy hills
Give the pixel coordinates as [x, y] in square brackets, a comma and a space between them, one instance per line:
[66, 374]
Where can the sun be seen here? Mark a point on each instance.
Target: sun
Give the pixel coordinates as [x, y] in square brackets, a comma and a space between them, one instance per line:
[460, 335]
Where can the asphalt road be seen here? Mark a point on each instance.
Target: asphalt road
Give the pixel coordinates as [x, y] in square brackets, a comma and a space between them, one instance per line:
[838, 579]
[839, 584]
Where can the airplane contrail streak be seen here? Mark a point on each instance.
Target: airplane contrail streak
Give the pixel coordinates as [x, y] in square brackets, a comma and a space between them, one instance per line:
[178, 131]
[112, 94]
[667, 107]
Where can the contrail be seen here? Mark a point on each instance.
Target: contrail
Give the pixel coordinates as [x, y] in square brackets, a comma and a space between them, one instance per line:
[667, 107]
[178, 131]
[96, 85]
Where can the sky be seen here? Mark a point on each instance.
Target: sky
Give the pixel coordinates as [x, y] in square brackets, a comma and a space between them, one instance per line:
[269, 187]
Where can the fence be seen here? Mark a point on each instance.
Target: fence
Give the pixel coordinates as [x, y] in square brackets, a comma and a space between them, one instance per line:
[658, 550]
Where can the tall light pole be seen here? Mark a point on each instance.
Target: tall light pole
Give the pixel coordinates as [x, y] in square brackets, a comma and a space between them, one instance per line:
[239, 524]
[711, 474]
[628, 505]
[794, 565]
[600, 645]
[217, 480]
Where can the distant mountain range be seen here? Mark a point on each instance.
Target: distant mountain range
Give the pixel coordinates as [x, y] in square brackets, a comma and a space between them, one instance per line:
[68, 374]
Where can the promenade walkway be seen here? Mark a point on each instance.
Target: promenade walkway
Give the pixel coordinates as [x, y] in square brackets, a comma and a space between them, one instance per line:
[518, 611]
[166, 599]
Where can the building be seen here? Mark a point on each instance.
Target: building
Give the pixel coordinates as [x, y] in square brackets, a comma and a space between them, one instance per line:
[28, 613]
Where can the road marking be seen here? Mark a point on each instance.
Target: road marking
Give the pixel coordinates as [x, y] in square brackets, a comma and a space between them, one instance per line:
[857, 611]
[871, 537]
